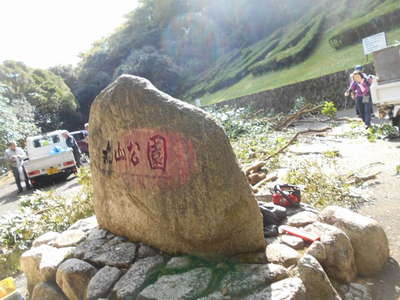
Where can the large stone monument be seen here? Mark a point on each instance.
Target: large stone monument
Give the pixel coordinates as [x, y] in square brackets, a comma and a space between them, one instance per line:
[164, 174]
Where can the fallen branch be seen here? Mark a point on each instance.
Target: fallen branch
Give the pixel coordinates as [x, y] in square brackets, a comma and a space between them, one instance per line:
[294, 138]
[254, 168]
[294, 117]
[267, 179]
[362, 179]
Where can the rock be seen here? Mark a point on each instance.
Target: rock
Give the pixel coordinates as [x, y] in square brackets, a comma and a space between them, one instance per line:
[158, 162]
[339, 264]
[317, 283]
[146, 251]
[120, 255]
[70, 238]
[101, 283]
[85, 224]
[129, 286]
[97, 234]
[282, 255]
[73, 277]
[214, 296]
[89, 248]
[287, 289]
[358, 291]
[317, 249]
[187, 285]
[369, 241]
[45, 239]
[47, 291]
[179, 263]
[292, 241]
[302, 219]
[303, 207]
[248, 277]
[50, 261]
[30, 261]
[250, 258]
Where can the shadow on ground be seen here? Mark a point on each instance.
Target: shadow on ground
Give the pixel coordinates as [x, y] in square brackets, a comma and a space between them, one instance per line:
[387, 284]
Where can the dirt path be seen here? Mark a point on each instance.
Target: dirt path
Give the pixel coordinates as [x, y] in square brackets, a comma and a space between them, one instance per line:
[9, 198]
[383, 194]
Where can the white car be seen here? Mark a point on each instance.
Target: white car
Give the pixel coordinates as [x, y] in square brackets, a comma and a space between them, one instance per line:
[48, 157]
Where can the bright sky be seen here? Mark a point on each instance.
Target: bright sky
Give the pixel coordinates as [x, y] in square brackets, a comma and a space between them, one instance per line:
[44, 33]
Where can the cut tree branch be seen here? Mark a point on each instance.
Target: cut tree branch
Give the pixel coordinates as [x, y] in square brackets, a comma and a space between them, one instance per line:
[294, 138]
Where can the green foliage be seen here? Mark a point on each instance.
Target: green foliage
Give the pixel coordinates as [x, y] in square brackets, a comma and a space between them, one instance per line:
[329, 109]
[47, 93]
[294, 48]
[376, 132]
[398, 170]
[16, 120]
[252, 137]
[41, 212]
[381, 18]
[322, 185]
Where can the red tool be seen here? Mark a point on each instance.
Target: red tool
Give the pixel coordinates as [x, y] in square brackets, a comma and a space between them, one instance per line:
[307, 236]
[286, 195]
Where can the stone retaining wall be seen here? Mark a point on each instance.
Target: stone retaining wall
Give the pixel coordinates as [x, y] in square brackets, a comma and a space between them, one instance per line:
[326, 88]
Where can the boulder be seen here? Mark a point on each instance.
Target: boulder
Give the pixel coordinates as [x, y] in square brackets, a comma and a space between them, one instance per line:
[45, 239]
[249, 277]
[292, 241]
[179, 263]
[47, 291]
[97, 234]
[282, 254]
[369, 241]
[30, 262]
[158, 162]
[146, 251]
[50, 261]
[129, 285]
[101, 283]
[85, 224]
[287, 289]
[119, 255]
[214, 296]
[340, 263]
[73, 277]
[317, 283]
[187, 285]
[317, 249]
[302, 219]
[70, 238]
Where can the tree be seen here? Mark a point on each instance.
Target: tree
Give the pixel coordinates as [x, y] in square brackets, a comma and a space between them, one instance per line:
[42, 89]
[16, 119]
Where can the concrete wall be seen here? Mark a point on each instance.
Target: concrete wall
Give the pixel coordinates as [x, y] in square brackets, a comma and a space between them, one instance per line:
[326, 88]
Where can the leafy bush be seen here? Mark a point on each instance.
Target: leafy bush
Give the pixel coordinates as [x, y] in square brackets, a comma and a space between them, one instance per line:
[376, 132]
[384, 17]
[41, 212]
[291, 50]
[329, 109]
[322, 187]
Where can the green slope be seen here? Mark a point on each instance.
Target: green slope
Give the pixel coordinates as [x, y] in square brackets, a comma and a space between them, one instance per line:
[325, 60]
[239, 73]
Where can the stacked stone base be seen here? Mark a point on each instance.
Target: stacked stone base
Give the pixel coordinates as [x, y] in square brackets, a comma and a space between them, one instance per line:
[86, 262]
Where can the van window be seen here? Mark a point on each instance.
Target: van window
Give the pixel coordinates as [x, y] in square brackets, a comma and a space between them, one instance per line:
[46, 141]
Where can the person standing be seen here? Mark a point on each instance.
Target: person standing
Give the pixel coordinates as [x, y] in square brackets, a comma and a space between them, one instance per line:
[71, 143]
[361, 84]
[14, 157]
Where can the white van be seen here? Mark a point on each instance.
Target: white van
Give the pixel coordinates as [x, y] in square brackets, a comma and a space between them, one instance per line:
[48, 156]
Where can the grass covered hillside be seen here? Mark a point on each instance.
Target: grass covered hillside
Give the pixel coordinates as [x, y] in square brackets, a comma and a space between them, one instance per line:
[325, 40]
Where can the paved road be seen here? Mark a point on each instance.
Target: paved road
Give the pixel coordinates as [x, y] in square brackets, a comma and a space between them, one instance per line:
[9, 198]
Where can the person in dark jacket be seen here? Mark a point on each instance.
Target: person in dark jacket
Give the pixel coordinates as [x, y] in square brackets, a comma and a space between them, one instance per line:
[71, 143]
